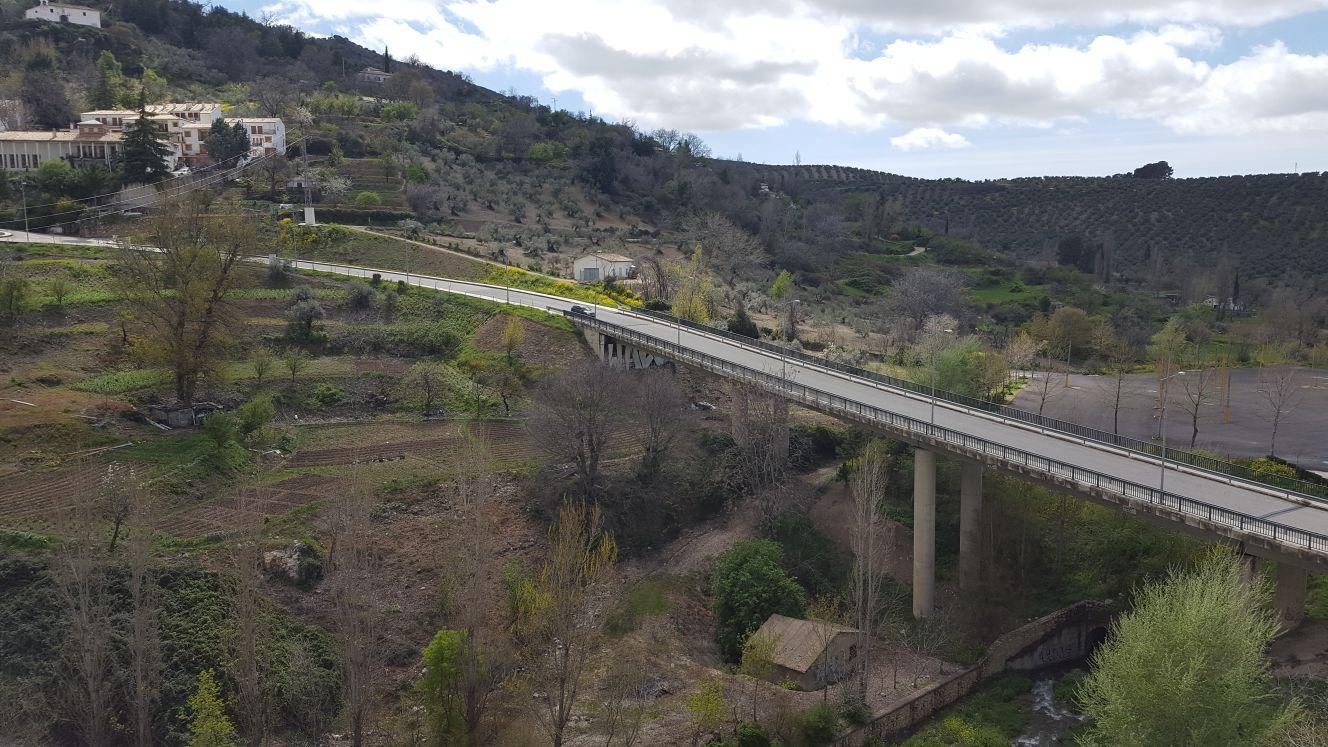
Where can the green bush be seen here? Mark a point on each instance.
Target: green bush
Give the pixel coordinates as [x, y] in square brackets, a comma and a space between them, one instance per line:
[124, 382]
[256, 413]
[752, 735]
[326, 394]
[956, 731]
[221, 428]
[750, 586]
[368, 200]
[810, 557]
[818, 725]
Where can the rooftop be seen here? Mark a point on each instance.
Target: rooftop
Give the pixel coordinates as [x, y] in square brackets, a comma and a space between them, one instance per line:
[65, 5]
[607, 257]
[44, 136]
[182, 107]
[799, 643]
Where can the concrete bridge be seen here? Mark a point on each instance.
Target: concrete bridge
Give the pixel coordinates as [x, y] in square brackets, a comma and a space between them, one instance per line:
[1281, 525]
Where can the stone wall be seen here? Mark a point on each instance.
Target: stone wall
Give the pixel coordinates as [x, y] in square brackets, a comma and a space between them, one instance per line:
[1064, 635]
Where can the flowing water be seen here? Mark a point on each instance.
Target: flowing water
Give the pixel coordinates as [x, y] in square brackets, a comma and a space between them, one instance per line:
[1049, 721]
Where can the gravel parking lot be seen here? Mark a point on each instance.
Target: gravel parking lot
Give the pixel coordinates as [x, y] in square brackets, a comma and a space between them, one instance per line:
[1302, 436]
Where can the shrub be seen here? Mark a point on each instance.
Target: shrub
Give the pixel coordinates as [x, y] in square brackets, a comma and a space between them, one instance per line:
[220, 428]
[752, 735]
[808, 555]
[360, 295]
[256, 413]
[368, 200]
[326, 394]
[750, 586]
[818, 725]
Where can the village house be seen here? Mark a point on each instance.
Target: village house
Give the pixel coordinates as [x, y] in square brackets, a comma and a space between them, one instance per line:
[598, 266]
[80, 15]
[809, 653]
[189, 125]
[86, 143]
[373, 75]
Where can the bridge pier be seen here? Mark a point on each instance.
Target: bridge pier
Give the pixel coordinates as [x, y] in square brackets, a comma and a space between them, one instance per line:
[970, 527]
[924, 532]
[1289, 592]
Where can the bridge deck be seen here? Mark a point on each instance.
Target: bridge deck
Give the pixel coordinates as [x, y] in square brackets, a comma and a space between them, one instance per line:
[1285, 510]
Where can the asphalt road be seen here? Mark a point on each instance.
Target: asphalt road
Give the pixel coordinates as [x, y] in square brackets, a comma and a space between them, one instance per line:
[1205, 487]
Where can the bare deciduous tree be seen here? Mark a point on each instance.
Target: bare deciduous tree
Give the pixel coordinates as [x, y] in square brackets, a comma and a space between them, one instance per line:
[868, 485]
[760, 427]
[926, 292]
[659, 408]
[626, 690]
[80, 573]
[143, 644]
[556, 623]
[574, 414]
[731, 252]
[1118, 357]
[1199, 387]
[180, 296]
[353, 560]
[1022, 351]
[1279, 387]
[246, 562]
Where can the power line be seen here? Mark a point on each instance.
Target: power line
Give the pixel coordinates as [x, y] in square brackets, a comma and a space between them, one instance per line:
[206, 181]
[108, 194]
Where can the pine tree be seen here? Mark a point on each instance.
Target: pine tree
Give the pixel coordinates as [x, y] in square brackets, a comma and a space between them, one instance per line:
[145, 149]
[208, 723]
[109, 88]
[226, 142]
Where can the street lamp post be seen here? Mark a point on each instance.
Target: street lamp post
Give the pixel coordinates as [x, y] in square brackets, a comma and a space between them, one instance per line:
[23, 189]
[1162, 473]
[934, 350]
[783, 351]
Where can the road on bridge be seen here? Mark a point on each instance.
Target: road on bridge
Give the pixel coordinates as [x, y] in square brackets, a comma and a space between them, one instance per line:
[1205, 487]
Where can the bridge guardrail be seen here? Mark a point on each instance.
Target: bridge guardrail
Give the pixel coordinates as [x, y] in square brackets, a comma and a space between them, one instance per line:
[1304, 490]
[1308, 490]
[1084, 477]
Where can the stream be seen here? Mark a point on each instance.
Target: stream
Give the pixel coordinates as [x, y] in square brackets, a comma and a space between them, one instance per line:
[1049, 721]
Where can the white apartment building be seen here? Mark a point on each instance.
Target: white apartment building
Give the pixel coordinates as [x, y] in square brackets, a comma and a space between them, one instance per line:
[267, 135]
[80, 15]
[85, 143]
[188, 125]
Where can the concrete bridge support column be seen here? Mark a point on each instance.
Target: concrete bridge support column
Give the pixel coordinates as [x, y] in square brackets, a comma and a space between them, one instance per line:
[924, 532]
[1249, 566]
[1289, 594]
[970, 527]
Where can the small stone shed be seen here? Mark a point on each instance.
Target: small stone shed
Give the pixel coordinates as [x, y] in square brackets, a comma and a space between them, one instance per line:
[810, 653]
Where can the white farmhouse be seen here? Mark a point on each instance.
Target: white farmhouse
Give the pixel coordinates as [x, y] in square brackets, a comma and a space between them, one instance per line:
[80, 15]
[592, 268]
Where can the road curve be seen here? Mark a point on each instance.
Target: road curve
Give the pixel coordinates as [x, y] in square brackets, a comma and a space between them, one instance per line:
[1211, 488]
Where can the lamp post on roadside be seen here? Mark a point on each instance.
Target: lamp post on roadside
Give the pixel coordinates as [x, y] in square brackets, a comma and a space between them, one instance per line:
[1162, 473]
[783, 350]
[23, 189]
[935, 349]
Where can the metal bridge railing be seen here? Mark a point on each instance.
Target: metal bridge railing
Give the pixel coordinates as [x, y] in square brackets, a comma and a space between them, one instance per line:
[1307, 490]
[1085, 478]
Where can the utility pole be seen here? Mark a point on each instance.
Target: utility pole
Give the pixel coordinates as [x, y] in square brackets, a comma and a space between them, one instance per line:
[23, 189]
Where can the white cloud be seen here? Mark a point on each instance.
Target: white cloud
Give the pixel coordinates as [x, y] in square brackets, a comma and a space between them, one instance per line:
[933, 16]
[929, 138]
[702, 65]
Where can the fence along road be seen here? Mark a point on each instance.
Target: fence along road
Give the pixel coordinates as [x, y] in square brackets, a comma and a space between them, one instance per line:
[1275, 520]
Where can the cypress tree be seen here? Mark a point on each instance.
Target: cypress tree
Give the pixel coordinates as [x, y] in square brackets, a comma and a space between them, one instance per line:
[145, 149]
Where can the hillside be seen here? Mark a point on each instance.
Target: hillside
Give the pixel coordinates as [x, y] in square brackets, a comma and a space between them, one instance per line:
[1272, 225]
[464, 157]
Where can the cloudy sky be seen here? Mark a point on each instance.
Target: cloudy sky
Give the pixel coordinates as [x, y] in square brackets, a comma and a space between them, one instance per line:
[967, 88]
